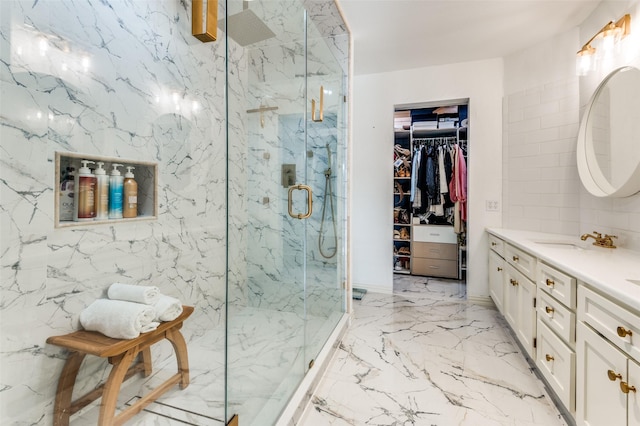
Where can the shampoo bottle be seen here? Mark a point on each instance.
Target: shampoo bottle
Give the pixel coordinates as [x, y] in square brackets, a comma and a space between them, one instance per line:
[66, 207]
[116, 182]
[102, 192]
[85, 187]
[130, 208]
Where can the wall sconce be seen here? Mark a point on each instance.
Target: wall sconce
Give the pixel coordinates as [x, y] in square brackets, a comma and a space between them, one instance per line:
[610, 35]
[204, 27]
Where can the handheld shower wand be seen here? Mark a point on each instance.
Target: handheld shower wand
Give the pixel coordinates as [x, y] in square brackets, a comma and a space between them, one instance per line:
[328, 194]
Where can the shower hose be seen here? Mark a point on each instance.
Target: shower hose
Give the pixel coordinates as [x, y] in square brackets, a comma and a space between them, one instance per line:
[328, 194]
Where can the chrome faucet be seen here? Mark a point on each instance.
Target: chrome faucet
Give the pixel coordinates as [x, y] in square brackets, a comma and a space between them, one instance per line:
[600, 241]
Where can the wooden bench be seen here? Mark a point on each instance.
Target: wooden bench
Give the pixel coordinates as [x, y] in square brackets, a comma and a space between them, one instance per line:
[121, 354]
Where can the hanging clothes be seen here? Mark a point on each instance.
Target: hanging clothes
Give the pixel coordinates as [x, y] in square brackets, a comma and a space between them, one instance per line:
[414, 173]
[458, 189]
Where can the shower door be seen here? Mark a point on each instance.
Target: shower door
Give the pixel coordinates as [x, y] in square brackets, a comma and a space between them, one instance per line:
[284, 288]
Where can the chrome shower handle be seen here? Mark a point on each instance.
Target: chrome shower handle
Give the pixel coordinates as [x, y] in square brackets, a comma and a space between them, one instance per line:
[301, 187]
[313, 107]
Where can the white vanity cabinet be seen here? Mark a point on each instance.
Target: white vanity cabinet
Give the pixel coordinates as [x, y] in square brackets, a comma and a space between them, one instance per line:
[520, 296]
[556, 336]
[608, 373]
[496, 272]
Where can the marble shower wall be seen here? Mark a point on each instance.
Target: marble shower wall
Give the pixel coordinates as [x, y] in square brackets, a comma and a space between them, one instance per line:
[276, 78]
[122, 79]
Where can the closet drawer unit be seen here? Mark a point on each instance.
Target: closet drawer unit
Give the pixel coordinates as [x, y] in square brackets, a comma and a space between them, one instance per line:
[558, 284]
[496, 244]
[434, 267]
[436, 251]
[557, 363]
[434, 234]
[522, 261]
[557, 317]
[620, 326]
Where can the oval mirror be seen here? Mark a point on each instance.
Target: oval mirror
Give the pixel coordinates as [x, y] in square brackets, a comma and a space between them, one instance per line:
[609, 138]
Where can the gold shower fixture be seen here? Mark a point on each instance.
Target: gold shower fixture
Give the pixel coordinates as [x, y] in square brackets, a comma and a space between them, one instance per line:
[320, 116]
[204, 26]
[610, 34]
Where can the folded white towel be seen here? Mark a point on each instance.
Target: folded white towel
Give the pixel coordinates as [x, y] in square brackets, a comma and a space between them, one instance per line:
[167, 308]
[117, 318]
[149, 327]
[148, 295]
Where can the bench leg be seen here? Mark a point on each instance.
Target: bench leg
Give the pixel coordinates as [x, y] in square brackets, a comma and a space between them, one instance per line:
[180, 347]
[62, 407]
[112, 388]
[146, 361]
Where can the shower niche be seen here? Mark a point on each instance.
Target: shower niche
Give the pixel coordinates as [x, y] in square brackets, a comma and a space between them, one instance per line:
[67, 164]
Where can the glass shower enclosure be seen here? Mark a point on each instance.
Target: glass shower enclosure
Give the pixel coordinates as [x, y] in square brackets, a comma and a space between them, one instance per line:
[286, 202]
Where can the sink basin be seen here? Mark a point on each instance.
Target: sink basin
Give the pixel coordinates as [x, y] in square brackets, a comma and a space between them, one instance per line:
[634, 281]
[560, 245]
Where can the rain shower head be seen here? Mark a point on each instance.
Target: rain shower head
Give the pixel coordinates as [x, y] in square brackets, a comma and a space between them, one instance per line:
[245, 27]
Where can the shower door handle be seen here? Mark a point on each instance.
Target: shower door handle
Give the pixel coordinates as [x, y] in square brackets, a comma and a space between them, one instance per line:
[313, 107]
[301, 187]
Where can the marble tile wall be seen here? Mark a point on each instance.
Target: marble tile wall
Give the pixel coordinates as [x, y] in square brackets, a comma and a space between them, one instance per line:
[126, 79]
[119, 79]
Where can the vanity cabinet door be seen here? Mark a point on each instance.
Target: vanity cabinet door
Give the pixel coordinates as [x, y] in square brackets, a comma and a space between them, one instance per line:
[496, 280]
[519, 310]
[634, 397]
[599, 401]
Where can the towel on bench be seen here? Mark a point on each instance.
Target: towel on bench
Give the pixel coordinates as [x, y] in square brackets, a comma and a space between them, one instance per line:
[118, 319]
[167, 308]
[148, 295]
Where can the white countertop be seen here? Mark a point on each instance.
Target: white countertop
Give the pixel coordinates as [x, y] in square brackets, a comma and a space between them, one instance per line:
[607, 270]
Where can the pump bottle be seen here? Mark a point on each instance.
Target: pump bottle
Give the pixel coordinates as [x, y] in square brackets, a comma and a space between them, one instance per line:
[116, 182]
[85, 187]
[102, 192]
[130, 208]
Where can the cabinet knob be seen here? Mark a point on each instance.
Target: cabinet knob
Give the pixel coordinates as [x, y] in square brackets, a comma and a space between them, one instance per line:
[549, 357]
[623, 332]
[549, 309]
[550, 283]
[613, 376]
[625, 388]
[493, 244]
[513, 282]
[499, 269]
[515, 258]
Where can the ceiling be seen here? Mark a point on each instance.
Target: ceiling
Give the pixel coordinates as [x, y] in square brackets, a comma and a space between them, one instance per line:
[390, 35]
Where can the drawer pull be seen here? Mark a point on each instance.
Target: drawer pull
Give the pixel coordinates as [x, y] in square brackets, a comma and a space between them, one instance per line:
[513, 282]
[515, 258]
[493, 244]
[549, 309]
[550, 283]
[549, 357]
[623, 332]
[625, 388]
[499, 269]
[613, 376]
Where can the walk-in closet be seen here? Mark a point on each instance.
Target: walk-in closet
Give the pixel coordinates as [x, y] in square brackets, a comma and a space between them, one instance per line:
[430, 189]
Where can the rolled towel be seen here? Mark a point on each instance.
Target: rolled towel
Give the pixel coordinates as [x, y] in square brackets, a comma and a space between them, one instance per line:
[148, 295]
[167, 308]
[117, 318]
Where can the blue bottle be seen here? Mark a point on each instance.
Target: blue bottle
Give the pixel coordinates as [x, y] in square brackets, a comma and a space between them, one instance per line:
[116, 187]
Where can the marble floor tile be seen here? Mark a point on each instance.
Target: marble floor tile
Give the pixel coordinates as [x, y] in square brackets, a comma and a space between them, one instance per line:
[425, 356]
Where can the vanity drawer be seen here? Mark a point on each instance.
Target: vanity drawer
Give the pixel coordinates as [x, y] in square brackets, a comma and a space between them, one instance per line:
[558, 284]
[436, 250]
[434, 234]
[557, 317]
[434, 267]
[521, 260]
[496, 244]
[610, 320]
[557, 363]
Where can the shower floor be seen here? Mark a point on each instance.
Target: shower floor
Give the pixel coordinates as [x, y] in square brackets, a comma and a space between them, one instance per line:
[266, 363]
